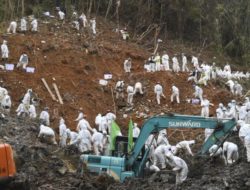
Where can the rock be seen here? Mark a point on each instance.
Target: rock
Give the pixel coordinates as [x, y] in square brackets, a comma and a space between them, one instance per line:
[62, 170]
[248, 183]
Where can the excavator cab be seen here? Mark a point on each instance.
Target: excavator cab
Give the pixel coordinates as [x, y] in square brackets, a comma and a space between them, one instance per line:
[121, 148]
[7, 163]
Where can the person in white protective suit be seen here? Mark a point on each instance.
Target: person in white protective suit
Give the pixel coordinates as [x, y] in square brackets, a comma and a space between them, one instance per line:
[247, 145]
[6, 103]
[179, 167]
[203, 78]
[213, 72]
[26, 100]
[183, 145]
[151, 144]
[231, 112]
[175, 94]
[219, 111]
[195, 62]
[61, 15]
[198, 93]
[32, 111]
[44, 117]
[193, 76]
[162, 138]
[160, 156]
[136, 130]
[237, 89]
[23, 26]
[119, 89]
[34, 25]
[151, 62]
[5, 51]
[62, 133]
[176, 66]
[243, 129]
[242, 111]
[23, 61]
[97, 139]
[105, 143]
[21, 110]
[184, 63]
[227, 68]
[231, 151]
[207, 133]
[83, 141]
[205, 107]
[215, 151]
[12, 27]
[157, 60]
[165, 61]
[110, 117]
[244, 135]
[3, 92]
[103, 127]
[47, 134]
[72, 135]
[127, 65]
[93, 25]
[159, 92]
[130, 91]
[138, 88]
[98, 119]
[83, 123]
[76, 25]
[230, 83]
[247, 118]
[84, 20]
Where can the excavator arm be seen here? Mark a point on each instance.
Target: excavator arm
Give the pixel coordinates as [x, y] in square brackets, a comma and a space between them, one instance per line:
[157, 123]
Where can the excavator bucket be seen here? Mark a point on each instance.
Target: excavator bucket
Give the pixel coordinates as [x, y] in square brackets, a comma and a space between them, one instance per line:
[220, 134]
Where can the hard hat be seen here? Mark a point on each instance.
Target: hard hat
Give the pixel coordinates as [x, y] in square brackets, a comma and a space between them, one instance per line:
[220, 105]
[224, 109]
[94, 130]
[46, 108]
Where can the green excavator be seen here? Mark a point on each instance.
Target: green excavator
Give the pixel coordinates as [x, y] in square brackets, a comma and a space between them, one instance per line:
[122, 165]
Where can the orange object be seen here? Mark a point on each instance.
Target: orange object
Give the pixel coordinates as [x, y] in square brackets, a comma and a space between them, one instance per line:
[7, 163]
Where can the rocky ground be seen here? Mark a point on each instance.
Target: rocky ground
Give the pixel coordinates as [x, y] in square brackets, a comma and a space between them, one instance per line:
[76, 62]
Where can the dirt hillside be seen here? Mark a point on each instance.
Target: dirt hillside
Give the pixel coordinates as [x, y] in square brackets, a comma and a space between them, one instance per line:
[76, 62]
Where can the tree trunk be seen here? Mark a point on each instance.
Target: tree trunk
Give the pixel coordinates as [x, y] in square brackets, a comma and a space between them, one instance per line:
[108, 9]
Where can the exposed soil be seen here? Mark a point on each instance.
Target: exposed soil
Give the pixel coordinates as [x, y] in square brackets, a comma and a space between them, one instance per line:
[75, 63]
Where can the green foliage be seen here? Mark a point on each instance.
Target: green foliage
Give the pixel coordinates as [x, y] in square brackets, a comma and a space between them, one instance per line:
[224, 24]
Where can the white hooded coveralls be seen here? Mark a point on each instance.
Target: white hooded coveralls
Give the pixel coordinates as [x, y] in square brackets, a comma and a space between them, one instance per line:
[62, 133]
[97, 139]
[130, 91]
[175, 94]
[12, 27]
[47, 133]
[179, 166]
[83, 141]
[5, 50]
[138, 88]
[231, 151]
[159, 92]
[165, 61]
